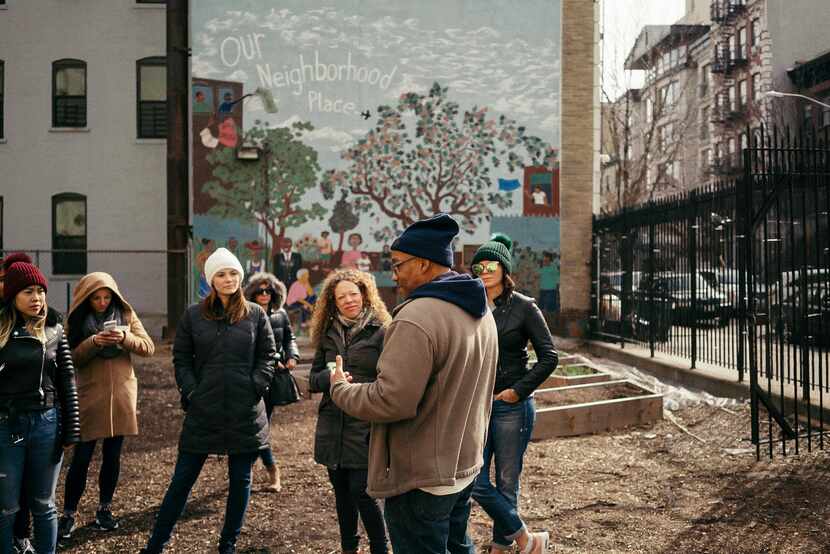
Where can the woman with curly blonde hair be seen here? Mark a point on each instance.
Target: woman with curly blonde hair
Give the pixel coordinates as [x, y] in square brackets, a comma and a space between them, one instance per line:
[349, 320]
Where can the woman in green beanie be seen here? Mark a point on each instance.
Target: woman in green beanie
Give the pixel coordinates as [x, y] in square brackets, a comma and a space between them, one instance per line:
[519, 320]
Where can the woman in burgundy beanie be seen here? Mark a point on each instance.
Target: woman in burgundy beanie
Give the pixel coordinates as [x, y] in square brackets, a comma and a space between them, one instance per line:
[38, 403]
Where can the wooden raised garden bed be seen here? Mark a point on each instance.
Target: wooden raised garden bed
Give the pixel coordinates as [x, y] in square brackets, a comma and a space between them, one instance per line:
[579, 374]
[594, 408]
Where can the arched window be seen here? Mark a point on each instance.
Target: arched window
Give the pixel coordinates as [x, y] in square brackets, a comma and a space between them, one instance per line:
[69, 233]
[151, 95]
[69, 93]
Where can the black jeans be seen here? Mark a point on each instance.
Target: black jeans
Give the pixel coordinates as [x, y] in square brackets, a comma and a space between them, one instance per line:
[79, 468]
[423, 523]
[351, 499]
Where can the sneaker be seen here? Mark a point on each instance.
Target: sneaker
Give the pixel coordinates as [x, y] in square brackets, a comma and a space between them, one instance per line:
[66, 525]
[23, 546]
[104, 521]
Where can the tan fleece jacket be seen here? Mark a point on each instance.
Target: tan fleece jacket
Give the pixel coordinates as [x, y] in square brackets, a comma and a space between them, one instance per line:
[430, 405]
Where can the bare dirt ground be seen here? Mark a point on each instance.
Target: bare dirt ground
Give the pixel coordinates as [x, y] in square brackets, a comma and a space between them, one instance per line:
[655, 489]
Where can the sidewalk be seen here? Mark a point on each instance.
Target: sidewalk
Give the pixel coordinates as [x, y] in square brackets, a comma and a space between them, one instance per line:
[716, 380]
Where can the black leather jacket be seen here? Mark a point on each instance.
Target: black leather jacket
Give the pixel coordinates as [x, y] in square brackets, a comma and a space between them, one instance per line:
[37, 376]
[519, 320]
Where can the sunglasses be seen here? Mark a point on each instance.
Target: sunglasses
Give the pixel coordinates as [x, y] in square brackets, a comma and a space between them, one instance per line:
[489, 267]
[269, 292]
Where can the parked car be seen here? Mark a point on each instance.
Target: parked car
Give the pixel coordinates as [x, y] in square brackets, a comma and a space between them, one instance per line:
[644, 314]
[727, 281]
[810, 325]
[711, 306]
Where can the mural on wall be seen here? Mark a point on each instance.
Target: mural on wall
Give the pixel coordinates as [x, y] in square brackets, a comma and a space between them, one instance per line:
[387, 112]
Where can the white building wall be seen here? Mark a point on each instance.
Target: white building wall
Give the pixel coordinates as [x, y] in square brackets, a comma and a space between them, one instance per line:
[122, 177]
[799, 33]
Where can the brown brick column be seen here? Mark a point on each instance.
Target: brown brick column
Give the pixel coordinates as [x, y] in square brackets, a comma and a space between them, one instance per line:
[579, 73]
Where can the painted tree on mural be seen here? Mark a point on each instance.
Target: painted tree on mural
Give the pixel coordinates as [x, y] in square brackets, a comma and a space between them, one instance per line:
[343, 218]
[427, 155]
[268, 191]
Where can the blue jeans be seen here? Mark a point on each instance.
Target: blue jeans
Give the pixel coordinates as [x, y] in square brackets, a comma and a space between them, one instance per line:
[510, 428]
[266, 454]
[30, 442]
[188, 467]
[423, 523]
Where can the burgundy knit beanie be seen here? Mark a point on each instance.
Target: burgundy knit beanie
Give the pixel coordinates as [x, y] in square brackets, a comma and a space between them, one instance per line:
[15, 257]
[20, 275]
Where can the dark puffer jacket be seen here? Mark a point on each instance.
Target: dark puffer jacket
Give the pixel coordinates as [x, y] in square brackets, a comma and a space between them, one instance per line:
[518, 320]
[222, 371]
[34, 376]
[277, 316]
[341, 441]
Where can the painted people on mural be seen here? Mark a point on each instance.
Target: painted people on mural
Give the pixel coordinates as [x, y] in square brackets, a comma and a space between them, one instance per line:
[301, 296]
[208, 247]
[351, 257]
[254, 262]
[287, 263]
[326, 248]
[549, 282]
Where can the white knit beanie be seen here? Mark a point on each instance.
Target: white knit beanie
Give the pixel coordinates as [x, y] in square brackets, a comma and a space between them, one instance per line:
[222, 258]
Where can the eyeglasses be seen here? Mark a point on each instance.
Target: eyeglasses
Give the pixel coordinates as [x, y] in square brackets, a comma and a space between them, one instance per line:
[489, 267]
[269, 292]
[396, 265]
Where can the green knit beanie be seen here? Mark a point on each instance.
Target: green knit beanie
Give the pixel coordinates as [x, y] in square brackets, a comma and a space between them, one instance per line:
[497, 249]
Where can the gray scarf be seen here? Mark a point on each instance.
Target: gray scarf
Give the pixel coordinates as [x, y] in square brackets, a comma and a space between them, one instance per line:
[94, 323]
[349, 328]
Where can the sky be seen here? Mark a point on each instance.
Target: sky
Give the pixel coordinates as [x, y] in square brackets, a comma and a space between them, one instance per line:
[621, 23]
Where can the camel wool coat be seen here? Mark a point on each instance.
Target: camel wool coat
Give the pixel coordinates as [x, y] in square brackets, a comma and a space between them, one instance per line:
[107, 387]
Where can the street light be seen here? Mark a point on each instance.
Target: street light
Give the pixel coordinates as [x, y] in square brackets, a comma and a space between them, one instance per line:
[776, 94]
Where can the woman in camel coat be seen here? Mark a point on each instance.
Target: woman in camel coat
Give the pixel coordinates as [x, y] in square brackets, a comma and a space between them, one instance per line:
[103, 331]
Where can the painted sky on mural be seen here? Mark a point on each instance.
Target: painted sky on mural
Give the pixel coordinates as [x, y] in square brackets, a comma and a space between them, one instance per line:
[486, 55]
[328, 64]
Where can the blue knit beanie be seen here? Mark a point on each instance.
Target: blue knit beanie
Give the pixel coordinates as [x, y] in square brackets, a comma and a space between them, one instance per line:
[430, 239]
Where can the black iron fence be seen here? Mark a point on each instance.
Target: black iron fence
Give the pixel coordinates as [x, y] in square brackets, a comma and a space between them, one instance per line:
[735, 274]
[666, 276]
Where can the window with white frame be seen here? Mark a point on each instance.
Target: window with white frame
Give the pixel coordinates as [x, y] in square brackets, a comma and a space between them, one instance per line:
[756, 87]
[704, 122]
[69, 233]
[756, 32]
[743, 93]
[69, 93]
[741, 45]
[151, 109]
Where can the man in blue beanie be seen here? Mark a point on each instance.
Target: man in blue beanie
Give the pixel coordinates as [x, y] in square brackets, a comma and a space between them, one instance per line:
[430, 404]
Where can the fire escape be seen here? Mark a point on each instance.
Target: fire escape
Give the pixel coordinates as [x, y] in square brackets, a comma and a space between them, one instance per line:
[729, 110]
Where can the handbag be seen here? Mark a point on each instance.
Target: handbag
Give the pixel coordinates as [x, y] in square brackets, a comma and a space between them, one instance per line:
[283, 389]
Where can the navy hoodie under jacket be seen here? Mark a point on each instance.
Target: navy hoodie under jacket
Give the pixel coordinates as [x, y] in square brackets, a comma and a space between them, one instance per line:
[464, 291]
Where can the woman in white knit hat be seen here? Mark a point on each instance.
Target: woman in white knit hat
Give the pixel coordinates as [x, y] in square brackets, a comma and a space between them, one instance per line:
[223, 354]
